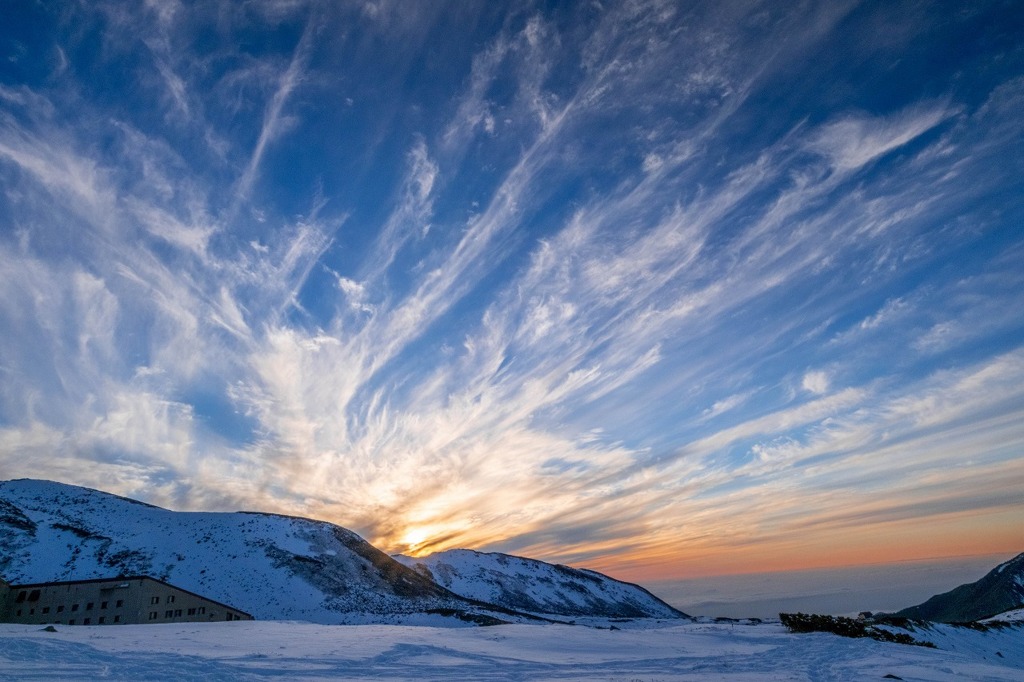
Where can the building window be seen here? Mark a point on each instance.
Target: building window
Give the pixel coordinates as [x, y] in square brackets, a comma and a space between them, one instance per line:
[88, 607]
[168, 613]
[103, 605]
[170, 599]
[71, 622]
[87, 621]
[117, 619]
[177, 613]
[202, 609]
[21, 596]
[152, 615]
[46, 609]
[60, 609]
[19, 612]
[119, 604]
[228, 617]
[154, 600]
[191, 612]
[74, 607]
[33, 595]
[103, 619]
[31, 612]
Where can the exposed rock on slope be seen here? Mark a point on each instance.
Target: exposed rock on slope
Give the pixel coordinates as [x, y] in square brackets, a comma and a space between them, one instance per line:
[274, 567]
[1001, 590]
[538, 587]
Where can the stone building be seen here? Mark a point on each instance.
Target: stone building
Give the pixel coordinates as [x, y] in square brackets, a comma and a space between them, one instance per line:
[110, 601]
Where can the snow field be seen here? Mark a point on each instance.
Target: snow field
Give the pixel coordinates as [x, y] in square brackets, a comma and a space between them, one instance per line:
[663, 653]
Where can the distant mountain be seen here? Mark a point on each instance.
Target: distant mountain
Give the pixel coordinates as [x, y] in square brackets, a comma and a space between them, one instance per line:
[1001, 590]
[274, 567]
[538, 587]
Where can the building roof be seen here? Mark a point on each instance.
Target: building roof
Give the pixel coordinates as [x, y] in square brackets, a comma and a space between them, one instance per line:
[124, 578]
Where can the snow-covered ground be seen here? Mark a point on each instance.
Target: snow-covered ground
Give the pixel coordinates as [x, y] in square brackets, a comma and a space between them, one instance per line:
[662, 651]
[1007, 616]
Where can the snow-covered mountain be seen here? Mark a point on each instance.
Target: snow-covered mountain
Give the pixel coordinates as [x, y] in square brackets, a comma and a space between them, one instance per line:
[274, 567]
[537, 587]
[285, 568]
[999, 591]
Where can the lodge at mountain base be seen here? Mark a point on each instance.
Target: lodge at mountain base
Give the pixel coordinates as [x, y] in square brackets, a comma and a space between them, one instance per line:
[109, 601]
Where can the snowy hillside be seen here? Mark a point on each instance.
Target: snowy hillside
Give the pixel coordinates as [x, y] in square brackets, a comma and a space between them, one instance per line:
[1011, 616]
[1000, 590]
[274, 567]
[538, 587]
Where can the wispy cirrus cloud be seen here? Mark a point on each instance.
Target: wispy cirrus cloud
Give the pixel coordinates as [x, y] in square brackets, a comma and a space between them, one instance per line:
[274, 121]
[612, 287]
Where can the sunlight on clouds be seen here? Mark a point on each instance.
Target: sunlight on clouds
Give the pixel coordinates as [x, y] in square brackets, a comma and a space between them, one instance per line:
[598, 288]
[903, 448]
[414, 538]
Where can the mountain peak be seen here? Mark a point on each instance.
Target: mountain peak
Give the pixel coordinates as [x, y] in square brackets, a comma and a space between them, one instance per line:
[272, 566]
[538, 587]
[285, 567]
[998, 591]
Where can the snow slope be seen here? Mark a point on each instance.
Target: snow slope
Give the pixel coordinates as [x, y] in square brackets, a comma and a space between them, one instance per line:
[669, 653]
[1007, 616]
[538, 587]
[273, 567]
[278, 567]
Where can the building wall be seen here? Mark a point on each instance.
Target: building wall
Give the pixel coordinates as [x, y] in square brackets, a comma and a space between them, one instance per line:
[112, 602]
[5, 592]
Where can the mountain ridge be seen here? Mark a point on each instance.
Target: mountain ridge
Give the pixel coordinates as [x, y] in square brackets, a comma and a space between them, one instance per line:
[538, 587]
[998, 591]
[273, 566]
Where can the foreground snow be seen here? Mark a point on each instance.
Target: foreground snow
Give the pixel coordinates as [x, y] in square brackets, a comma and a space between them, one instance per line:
[653, 650]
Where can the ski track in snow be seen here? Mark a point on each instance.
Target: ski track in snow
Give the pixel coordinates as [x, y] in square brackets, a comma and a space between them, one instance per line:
[663, 653]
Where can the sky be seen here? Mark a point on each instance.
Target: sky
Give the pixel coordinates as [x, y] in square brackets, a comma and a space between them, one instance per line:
[843, 591]
[663, 289]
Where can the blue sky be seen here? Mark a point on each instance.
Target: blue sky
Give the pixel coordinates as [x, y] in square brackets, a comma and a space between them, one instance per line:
[662, 288]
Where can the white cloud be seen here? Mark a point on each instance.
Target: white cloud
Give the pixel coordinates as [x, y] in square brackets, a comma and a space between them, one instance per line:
[652, 162]
[892, 309]
[726, 405]
[274, 121]
[854, 141]
[816, 382]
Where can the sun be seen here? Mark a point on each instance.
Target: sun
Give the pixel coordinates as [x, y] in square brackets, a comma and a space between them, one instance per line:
[414, 538]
